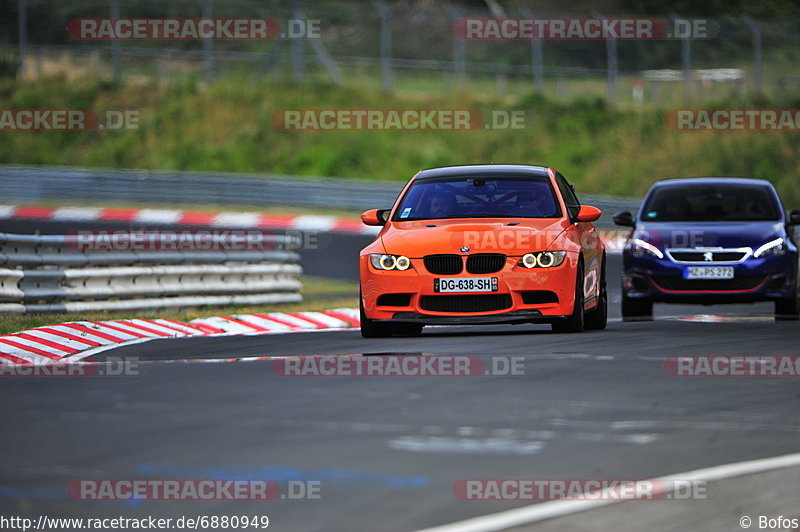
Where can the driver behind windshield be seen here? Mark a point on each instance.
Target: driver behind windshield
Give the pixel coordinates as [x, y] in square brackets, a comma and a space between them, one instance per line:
[442, 205]
[530, 203]
[678, 209]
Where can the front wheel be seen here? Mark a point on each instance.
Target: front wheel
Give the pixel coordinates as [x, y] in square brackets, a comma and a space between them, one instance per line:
[788, 309]
[597, 318]
[636, 309]
[370, 328]
[574, 323]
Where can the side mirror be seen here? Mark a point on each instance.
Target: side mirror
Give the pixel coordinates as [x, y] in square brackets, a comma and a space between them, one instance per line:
[625, 219]
[588, 214]
[794, 217]
[375, 217]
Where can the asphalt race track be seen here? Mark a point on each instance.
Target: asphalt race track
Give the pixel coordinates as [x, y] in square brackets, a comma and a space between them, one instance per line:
[388, 450]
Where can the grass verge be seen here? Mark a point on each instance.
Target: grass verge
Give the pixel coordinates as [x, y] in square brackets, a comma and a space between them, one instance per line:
[228, 127]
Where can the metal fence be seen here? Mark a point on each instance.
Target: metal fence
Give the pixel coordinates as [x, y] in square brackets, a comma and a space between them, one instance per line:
[37, 184]
[50, 274]
[411, 46]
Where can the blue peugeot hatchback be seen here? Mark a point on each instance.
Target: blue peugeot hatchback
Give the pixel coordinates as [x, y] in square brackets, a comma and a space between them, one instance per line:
[710, 240]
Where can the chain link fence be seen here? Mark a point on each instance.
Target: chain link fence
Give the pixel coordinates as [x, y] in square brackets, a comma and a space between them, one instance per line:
[410, 46]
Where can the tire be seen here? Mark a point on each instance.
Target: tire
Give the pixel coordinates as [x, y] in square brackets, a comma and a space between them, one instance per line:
[597, 318]
[636, 309]
[788, 309]
[371, 329]
[575, 322]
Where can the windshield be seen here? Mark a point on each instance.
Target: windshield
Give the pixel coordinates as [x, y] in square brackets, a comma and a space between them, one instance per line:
[710, 203]
[478, 197]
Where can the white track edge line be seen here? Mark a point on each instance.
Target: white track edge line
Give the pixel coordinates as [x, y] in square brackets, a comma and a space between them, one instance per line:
[548, 510]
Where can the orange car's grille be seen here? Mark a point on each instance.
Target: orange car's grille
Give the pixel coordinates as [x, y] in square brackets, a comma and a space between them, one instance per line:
[443, 264]
[466, 303]
[485, 263]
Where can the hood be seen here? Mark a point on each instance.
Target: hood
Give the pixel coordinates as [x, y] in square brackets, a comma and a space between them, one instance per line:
[709, 234]
[416, 239]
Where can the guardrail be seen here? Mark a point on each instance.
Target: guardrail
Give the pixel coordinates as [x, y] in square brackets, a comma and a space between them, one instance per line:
[63, 184]
[51, 274]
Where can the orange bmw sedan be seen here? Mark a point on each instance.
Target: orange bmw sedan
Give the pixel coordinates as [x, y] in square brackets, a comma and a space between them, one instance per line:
[483, 244]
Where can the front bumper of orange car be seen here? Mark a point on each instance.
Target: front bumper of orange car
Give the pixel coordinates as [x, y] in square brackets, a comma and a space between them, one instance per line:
[538, 295]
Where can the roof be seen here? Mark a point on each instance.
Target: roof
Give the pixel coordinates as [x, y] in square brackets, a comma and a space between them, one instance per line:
[484, 169]
[712, 181]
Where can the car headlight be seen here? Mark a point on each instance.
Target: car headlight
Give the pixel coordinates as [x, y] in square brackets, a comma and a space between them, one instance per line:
[773, 247]
[389, 262]
[543, 259]
[640, 247]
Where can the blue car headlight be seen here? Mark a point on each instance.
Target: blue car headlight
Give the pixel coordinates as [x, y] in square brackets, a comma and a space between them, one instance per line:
[773, 247]
[641, 247]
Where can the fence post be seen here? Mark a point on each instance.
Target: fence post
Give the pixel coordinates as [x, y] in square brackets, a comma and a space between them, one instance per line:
[22, 24]
[459, 46]
[298, 61]
[208, 44]
[387, 75]
[324, 57]
[612, 70]
[115, 45]
[562, 87]
[160, 66]
[537, 65]
[500, 84]
[758, 66]
[686, 65]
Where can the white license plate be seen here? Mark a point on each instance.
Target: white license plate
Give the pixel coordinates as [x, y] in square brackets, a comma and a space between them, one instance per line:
[708, 272]
[466, 284]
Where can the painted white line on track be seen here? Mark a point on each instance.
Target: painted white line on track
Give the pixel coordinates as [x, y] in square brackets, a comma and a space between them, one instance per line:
[548, 510]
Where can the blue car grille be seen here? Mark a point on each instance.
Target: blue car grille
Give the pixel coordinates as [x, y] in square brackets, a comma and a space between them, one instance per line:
[700, 256]
[743, 282]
